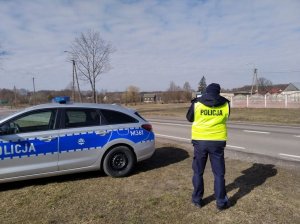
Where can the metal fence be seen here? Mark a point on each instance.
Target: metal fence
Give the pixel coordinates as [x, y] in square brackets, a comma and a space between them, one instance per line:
[265, 101]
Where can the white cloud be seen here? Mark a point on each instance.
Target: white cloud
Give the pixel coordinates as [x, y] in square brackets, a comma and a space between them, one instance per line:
[156, 41]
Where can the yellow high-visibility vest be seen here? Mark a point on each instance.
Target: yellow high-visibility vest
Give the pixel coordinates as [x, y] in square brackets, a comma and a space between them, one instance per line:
[210, 122]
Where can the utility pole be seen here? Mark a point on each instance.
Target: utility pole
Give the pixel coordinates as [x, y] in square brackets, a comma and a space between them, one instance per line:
[15, 95]
[254, 81]
[73, 75]
[73, 81]
[76, 77]
[34, 102]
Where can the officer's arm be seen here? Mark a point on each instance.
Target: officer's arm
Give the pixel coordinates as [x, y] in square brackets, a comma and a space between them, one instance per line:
[229, 109]
[190, 113]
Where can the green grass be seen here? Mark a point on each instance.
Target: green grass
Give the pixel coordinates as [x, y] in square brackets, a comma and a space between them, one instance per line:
[159, 191]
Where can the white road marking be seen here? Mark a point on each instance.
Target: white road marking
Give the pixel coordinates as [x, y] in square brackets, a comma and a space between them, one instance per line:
[258, 132]
[297, 136]
[173, 137]
[236, 147]
[188, 139]
[172, 124]
[297, 158]
[263, 125]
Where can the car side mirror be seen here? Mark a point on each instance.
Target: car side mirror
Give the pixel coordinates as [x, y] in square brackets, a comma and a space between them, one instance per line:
[4, 129]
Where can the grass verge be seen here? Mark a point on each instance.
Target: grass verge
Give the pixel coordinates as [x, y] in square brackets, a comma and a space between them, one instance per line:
[159, 191]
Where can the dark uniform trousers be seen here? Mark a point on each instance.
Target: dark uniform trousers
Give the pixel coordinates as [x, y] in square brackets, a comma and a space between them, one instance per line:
[215, 151]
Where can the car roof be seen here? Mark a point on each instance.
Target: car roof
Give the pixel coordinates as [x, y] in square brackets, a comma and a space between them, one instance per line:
[80, 105]
[115, 107]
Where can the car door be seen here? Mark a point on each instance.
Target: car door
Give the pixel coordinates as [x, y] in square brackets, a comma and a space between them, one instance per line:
[81, 138]
[29, 144]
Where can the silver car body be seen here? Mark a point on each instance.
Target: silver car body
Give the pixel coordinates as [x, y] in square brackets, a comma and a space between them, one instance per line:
[64, 150]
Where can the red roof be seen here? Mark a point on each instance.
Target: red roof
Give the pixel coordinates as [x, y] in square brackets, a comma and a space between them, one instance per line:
[275, 90]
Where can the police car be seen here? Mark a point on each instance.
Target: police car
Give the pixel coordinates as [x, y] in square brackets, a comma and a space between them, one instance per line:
[61, 138]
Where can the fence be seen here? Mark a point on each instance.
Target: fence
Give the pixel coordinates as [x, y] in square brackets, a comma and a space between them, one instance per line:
[265, 101]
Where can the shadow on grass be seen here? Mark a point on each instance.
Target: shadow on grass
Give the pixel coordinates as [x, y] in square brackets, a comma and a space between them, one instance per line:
[251, 178]
[163, 157]
[50, 180]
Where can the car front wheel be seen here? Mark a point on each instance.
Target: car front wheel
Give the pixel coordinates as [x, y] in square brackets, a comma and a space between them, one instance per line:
[119, 162]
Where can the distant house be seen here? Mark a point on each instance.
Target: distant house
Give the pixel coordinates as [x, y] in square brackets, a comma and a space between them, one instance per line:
[275, 90]
[3, 101]
[243, 93]
[292, 91]
[196, 94]
[149, 98]
[292, 87]
[227, 95]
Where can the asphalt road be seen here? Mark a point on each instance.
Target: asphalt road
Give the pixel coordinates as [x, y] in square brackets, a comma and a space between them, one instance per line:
[271, 140]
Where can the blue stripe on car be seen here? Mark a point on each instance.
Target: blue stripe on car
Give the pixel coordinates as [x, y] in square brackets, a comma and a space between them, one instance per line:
[71, 142]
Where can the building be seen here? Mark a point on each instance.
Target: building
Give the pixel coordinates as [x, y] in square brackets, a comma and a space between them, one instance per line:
[292, 91]
[292, 87]
[149, 98]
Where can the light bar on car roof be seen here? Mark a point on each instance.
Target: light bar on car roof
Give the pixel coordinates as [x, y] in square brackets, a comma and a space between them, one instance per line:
[61, 99]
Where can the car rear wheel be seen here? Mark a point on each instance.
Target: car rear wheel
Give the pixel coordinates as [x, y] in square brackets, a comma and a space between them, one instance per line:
[119, 162]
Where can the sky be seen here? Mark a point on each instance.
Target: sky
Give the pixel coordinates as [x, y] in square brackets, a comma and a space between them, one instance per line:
[155, 42]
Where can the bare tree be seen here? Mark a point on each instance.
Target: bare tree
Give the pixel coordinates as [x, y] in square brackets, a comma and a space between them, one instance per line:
[173, 93]
[132, 95]
[92, 56]
[187, 91]
[264, 84]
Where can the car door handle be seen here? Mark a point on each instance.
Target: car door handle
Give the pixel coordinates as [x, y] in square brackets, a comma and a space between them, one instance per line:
[101, 133]
[46, 138]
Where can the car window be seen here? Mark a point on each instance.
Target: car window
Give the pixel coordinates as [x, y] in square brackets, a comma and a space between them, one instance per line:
[81, 118]
[140, 116]
[115, 117]
[31, 122]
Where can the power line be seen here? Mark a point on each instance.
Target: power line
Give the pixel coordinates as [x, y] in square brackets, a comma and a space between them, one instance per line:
[282, 72]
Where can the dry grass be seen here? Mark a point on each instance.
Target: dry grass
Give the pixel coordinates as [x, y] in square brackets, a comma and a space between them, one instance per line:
[261, 115]
[178, 110]
[158, 192]
[257, 115]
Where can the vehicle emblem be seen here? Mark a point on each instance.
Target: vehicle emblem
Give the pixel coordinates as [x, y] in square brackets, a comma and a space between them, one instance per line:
[81, 141]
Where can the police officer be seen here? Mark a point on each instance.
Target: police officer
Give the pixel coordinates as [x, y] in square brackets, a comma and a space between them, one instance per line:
[209, 114]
